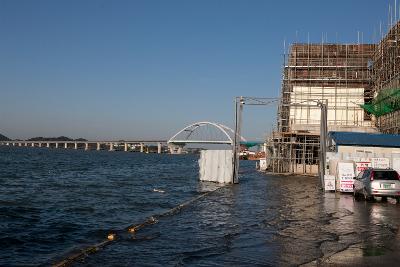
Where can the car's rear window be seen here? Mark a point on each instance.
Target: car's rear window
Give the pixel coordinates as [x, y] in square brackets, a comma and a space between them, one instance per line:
[385, 175]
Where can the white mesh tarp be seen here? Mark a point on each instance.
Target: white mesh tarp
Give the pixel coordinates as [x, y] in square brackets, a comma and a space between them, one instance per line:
[216, 166]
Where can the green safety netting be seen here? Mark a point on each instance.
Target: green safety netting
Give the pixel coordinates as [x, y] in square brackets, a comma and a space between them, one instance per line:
[249, 144]
[387, 101]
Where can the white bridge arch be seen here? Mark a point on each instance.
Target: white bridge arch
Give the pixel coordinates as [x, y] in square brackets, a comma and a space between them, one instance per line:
[204, 132]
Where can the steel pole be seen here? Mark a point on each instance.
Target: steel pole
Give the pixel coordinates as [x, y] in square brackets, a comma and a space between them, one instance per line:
[236, 140]
[323, 136]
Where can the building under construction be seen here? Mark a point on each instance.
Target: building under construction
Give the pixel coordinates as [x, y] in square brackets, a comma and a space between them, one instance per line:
[337, 73]
[386, 83]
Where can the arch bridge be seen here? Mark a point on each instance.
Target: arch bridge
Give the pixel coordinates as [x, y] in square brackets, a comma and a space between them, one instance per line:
[203, 132]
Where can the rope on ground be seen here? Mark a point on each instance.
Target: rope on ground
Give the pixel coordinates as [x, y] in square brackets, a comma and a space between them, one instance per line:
[112, 237]
[83, 253]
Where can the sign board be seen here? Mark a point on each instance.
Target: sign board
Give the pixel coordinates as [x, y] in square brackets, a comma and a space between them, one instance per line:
[380, 163]
[362, 165]
[330, 183]
[346, 176]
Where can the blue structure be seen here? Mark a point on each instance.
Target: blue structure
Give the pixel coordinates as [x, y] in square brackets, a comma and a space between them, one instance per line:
[364, 139]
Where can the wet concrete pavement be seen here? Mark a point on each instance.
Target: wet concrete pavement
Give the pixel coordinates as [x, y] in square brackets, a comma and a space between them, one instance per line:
[336, 229]
[365, 233]
[265, 221]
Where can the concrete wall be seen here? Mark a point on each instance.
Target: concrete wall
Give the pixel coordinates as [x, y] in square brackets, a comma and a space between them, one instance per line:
[367, 151]
[362, 154]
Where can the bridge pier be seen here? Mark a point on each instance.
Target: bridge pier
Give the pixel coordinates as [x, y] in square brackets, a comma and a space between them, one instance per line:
[175, 149]
[159, 148]
[98, 145]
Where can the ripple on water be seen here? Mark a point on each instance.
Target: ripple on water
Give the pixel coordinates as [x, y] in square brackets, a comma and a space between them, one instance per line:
[61, 201]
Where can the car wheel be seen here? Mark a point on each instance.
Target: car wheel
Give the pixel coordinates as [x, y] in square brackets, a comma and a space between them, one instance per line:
[384, 199]
[397, 200]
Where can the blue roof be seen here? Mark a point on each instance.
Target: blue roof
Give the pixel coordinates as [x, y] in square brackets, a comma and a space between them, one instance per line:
[365, 139]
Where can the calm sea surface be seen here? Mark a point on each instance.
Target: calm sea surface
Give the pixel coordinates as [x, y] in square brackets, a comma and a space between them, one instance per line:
[54, 202]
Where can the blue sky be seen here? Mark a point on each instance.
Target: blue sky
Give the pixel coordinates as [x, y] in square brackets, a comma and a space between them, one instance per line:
[145, 69]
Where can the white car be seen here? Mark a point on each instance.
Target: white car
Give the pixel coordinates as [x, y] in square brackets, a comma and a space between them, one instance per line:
[377, 183]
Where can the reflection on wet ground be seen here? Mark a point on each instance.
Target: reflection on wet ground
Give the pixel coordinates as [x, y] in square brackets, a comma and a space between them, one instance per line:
[265, 221]
[367, 236]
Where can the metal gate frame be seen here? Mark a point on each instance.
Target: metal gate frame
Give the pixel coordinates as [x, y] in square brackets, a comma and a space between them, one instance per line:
[240, 101]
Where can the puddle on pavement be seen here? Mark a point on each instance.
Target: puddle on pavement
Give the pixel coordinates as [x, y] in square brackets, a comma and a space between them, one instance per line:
[374, 251]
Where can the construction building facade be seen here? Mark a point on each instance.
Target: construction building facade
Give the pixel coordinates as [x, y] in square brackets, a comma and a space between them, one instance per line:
[386, 83]
[338, 74]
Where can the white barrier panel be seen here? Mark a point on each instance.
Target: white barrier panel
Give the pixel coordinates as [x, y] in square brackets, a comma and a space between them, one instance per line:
[330, 183]
[263, 164]
[216, 166]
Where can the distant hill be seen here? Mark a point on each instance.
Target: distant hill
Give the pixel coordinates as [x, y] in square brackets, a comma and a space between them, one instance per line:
[4, 138]
[60, 138]
[80, 139]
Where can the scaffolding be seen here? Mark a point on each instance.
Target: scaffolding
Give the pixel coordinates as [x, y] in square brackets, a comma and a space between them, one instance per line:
[386, 102]
[386, 78]
[339, 74]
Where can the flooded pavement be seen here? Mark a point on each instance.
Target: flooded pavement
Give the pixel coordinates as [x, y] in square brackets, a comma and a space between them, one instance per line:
[368, 235]
[265, 221]
[54, 203]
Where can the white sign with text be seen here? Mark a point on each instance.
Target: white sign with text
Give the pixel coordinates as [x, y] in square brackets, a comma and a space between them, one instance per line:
[380, 163]
[362, 165]
[330, 182]
[346, 176]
